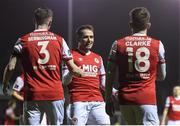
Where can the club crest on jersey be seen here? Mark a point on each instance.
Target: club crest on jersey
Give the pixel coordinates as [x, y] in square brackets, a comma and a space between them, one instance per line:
[96, 60]
[80, 59]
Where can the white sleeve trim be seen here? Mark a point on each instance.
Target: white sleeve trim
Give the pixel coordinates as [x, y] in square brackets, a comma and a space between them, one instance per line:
[66, 75]
[161, 51]
[66, 51]
[167, 104]
[113, 51]
[102, 69]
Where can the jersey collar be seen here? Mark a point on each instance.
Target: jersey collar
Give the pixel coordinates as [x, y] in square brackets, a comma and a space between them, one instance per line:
[139, 34]
[36, 30]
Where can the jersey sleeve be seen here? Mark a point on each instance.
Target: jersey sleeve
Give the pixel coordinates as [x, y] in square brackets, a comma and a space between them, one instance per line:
[167, 104]
[112, 53]
[66, 51]
[161, 53]
[66, 75]
[17, 47]
[102, 69]
[18, 84]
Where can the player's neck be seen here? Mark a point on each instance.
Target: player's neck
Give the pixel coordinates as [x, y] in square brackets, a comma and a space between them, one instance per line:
[85, 52]
[42, 27]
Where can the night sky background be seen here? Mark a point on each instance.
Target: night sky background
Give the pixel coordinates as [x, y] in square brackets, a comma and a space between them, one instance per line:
[110, 19]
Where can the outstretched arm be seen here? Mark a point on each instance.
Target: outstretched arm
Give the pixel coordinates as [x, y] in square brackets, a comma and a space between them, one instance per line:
[74, 69]
[66, 75]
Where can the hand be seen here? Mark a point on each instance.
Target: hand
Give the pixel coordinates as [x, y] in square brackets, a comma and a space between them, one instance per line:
[6, 89]
[110, 108]
[162, 123]
[79, 72]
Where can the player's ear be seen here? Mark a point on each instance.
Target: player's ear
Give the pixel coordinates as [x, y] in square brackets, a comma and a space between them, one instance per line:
[148, 25]
[50, 22]
[49, 25]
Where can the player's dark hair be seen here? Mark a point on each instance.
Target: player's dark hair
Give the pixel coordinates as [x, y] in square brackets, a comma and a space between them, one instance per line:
[41, 15]
[139, 18]
[81, 28]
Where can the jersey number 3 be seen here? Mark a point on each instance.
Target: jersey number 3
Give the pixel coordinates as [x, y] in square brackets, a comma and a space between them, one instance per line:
[142, 63]
[44, 51]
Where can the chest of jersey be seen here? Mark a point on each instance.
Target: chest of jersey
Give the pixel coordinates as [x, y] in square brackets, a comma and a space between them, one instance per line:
[175, 104]
[89, 63]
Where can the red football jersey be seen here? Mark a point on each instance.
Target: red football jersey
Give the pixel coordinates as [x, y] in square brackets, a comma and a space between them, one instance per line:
[87, 88]
[41, 53]
[174, 108]
[137, 58]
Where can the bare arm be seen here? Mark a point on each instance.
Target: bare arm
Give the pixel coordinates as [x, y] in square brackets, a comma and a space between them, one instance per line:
[17, 95]
[109, 80]
[161, 75]
[103, 85]
[8, 73]
[164, 116]
[74, 69]
[66, 75]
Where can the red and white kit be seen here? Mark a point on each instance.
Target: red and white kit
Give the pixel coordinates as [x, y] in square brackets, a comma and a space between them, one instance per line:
[85, 95]
[174, 110]
[137, 58]
[41, 53]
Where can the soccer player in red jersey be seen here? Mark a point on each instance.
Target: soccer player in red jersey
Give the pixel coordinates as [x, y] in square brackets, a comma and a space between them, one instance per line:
[86, 101]
[141, 61]
[41, 53]
[172, 108]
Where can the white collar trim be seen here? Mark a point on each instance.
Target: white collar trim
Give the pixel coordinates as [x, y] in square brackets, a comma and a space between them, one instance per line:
[88, 53]
[40, 30]
[139, 34]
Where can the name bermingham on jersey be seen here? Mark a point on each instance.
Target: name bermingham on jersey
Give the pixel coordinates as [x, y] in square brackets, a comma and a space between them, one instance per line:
[42, 38]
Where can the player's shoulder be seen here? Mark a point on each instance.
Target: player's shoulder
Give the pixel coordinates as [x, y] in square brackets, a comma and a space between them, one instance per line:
[74, 51]
[120, 39]
[154, 39]
[58, 36]
[25, 37]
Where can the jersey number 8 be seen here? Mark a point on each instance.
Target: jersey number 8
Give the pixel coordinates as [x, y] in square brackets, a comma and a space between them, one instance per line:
[142, 63]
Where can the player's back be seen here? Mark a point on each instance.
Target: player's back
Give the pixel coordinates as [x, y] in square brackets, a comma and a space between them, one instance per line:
[41, 59]
[137, 59]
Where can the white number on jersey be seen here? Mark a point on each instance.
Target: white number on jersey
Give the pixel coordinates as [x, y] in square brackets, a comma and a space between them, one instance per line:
[140, 59]
[44, 51]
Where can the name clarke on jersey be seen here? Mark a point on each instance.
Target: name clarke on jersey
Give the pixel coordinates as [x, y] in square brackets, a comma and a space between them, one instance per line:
[137, 41]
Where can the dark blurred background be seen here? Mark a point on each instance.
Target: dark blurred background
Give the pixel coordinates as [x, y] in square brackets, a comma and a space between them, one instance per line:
[110, 20]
